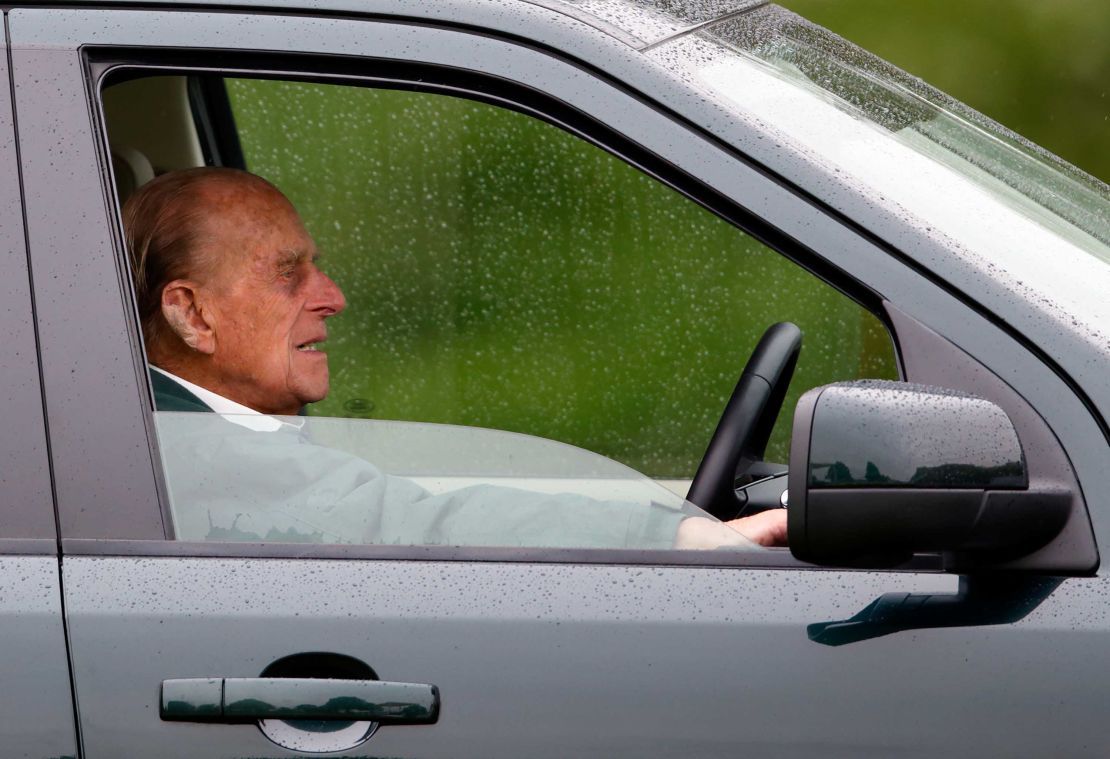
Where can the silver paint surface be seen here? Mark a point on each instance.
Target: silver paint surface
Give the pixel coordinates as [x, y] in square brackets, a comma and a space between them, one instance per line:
[635, 661]
[37, 715]
[24, 476]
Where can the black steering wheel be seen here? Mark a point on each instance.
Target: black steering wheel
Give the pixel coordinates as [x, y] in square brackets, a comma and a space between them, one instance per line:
[741, 436]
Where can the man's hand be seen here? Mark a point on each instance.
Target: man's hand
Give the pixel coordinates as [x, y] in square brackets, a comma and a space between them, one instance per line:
[767, 528]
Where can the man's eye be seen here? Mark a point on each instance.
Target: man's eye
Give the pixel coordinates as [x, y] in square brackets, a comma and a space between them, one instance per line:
[287, 272]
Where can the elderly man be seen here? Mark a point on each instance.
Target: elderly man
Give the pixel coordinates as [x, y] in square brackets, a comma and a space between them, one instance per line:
[233, 311]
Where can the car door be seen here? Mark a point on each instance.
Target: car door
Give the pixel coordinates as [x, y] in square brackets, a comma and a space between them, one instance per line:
[538, 652]
[37, 717]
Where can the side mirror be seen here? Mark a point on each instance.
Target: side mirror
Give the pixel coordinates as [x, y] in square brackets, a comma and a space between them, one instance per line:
[882, 470]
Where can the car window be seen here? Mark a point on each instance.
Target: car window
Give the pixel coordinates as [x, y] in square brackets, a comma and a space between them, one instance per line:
[352, 481]
[559, 329]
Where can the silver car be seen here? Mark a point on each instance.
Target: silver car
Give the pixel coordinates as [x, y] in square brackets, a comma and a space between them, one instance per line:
[562, 227]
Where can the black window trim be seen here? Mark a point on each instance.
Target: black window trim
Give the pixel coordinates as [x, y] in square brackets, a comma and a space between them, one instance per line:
[214, 122]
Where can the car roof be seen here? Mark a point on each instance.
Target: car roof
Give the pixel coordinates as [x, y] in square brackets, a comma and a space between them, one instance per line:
[637, 23]
[649, 22]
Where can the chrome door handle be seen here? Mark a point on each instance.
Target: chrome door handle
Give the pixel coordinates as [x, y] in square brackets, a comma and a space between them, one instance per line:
[237, 700]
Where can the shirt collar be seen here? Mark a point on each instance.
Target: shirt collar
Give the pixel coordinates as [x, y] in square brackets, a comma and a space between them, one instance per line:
[230, 410]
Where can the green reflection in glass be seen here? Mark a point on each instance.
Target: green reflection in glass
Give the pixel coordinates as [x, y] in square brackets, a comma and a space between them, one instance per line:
[503, 273]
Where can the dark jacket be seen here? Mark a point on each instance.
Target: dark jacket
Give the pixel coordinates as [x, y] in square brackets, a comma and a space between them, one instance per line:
[170, 396]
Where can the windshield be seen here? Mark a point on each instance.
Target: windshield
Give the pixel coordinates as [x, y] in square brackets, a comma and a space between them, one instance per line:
[824, 70]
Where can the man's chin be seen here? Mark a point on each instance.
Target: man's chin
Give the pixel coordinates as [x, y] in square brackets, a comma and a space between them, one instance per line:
[313, 394]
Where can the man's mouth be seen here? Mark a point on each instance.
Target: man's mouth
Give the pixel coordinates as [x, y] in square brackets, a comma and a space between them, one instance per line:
[308, 347]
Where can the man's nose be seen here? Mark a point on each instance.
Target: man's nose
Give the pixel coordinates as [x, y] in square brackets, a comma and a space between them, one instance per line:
[328, 299]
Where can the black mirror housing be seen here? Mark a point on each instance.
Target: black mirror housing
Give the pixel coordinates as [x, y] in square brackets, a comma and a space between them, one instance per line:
[882, 470]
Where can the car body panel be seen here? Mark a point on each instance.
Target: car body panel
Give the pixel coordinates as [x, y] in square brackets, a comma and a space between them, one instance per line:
[37, 716]
[24, 465]
[37, 719]
[542, 660]
[635, 23]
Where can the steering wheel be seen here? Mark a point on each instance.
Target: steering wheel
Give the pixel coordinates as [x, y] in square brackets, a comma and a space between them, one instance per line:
[740, 439]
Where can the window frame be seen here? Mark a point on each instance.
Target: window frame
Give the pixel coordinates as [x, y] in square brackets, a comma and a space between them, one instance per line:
[502, 93]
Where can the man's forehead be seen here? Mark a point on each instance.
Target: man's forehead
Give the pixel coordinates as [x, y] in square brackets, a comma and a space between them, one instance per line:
[255, 228]
[232, 201]
[274, 250]
[233, 186]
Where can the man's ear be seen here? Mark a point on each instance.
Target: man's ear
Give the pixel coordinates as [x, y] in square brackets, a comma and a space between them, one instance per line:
[182, 312]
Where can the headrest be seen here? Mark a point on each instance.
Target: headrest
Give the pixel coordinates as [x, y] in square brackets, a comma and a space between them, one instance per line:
[132, 170]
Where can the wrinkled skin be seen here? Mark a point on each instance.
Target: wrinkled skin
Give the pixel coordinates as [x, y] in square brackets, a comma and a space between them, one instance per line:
[254, 316]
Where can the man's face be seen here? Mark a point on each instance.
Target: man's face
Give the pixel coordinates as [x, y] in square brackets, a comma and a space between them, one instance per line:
[266, 302]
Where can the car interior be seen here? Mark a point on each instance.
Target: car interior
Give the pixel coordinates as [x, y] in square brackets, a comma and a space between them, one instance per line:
[154, 126]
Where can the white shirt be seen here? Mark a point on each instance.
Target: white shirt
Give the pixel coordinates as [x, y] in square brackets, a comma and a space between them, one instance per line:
[229, 409]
